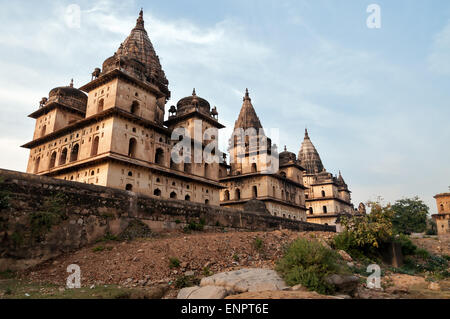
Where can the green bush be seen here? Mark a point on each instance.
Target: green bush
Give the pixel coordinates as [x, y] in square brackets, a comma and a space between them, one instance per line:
[408, 248]
[186, 281]
[98, 249]
[258, 244]
[194, 226]
[309, 263]
[174, 262]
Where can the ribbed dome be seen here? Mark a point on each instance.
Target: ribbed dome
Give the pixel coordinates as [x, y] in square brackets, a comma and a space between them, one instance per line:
[136, 55]
[192, 102]
[286, 157]
[68, 95]
[248, 117]
[309, 157]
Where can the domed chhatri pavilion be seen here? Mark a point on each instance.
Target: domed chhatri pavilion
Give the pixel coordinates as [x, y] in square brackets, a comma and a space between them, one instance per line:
[115, 135]
[327, 196]
[111, 132]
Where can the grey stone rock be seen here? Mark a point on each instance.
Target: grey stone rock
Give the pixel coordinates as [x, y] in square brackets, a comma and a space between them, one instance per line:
[206, 292]
[246, 280]
[344, 284]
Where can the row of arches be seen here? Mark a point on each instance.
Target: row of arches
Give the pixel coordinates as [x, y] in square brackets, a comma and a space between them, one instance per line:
[62, 158]
[324, 210]
[157, 192]
[134, 108]
[132, 152]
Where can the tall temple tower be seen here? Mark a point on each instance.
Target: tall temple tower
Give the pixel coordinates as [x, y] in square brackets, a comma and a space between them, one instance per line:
[257, 172]
[327, 196]
[115, 135]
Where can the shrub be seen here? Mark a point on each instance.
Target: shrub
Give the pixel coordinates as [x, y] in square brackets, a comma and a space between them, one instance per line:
[422, 253]
[108, 237]
[186, 281]
[364, 235]
[206, 272]
[194, 226]
[309, 263]
[174, 262]
[98, 249]
[408, 248]
[258, 244]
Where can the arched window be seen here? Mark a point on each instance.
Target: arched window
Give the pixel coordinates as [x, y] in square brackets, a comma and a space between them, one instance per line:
[173, 195]
[324, 208]
[52, 161]
[442, 207]
[226, 195]
[157, 192]
[36, 165]
[100, 105]
[282, 194]
[187, 198]
[274, 193]
[159, 156]
[94, 149]
[130, 173]
[44, 128]
[255, 192]
[132, 147]
[254, 168]
[63, 157]
[74, 153]
[135, 107]
[287, 195]
[311, 211]
[207, 201]
[323, 193]
[237, 194]
[129, 187]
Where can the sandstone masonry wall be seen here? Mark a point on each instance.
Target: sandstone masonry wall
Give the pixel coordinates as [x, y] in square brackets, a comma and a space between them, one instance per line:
[42, 217]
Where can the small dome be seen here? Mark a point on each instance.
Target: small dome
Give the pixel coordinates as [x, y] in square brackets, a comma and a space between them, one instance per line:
[68, 91]
[286, 157]
[191, 102]
[68, 95]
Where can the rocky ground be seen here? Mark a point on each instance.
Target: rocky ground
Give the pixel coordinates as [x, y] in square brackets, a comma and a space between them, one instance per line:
[154, 267]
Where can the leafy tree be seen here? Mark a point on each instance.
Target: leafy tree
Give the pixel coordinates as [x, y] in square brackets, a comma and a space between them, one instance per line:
[364, 235]
[410, 216]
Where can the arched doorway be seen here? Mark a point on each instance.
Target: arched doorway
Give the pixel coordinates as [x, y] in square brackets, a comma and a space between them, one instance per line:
[94, 149]
[74, 153]
[132, 145]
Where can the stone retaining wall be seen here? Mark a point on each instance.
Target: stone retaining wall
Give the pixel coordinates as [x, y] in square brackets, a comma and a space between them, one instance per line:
[42, 217]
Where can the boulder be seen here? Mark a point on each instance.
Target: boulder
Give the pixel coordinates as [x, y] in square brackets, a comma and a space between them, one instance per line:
[243, 280]
[206, 292]
[344, 284]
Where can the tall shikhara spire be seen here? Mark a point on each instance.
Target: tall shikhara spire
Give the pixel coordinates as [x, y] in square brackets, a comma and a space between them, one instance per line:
[247, 117]
[309, 157]
[137, 56]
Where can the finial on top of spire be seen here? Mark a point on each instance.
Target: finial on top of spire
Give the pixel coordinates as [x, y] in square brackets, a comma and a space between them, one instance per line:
[140, 19]
[193, 92]
[306, 132]
[247, 95]
[71, 83]
[285, 148]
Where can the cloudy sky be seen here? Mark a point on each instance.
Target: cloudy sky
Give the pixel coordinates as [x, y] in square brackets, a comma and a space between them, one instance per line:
[375, 101]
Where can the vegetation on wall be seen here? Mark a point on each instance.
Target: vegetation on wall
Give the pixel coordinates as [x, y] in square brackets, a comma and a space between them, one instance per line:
[52, 213]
